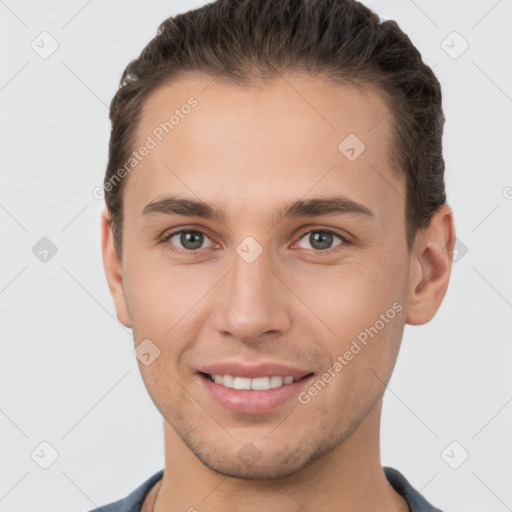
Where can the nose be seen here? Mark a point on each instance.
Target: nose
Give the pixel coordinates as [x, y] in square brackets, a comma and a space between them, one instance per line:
[252, 302]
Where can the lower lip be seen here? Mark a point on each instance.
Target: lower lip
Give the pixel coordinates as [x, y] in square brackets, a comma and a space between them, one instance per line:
[253, 402]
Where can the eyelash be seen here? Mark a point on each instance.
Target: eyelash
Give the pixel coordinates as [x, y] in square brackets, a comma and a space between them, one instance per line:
[345, 241]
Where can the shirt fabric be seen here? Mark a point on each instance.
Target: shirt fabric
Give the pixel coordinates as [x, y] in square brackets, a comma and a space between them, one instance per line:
[133, 502]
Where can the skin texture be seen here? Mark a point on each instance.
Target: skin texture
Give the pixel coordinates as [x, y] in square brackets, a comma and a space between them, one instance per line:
[249, 151]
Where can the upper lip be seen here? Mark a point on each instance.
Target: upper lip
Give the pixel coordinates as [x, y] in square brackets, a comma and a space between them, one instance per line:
[260, 370]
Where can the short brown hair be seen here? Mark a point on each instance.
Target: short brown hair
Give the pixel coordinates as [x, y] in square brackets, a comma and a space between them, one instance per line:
[237, 41]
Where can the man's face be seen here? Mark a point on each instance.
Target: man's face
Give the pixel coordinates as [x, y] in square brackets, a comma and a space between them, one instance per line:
[233, 296]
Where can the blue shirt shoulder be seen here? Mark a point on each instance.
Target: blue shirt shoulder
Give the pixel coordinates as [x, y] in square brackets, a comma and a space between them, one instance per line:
[417, 503]
[133, 502]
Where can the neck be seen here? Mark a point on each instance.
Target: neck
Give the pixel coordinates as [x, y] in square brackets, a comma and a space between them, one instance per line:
[350, 476]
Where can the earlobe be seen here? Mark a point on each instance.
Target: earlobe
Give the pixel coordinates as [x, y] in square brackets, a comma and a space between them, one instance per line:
[113, 269]
[432, 264]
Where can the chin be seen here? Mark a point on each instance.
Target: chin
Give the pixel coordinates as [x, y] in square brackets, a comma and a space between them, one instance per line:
[260, 471]
[252, 464]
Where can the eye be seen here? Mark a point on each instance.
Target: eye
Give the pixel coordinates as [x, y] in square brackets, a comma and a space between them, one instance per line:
[321, 240]
[192, 240]
[186, 240]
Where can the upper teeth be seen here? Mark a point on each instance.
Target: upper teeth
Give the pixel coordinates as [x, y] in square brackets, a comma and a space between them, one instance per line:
[259, 383]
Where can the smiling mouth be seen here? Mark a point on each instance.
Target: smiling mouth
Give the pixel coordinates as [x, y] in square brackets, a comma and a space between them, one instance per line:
[253, 384]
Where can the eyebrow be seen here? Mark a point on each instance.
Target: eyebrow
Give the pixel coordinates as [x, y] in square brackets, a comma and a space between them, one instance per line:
[334, 205]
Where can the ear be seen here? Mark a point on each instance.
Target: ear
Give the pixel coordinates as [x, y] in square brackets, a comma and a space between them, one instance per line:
[113, 269]
[431, 266]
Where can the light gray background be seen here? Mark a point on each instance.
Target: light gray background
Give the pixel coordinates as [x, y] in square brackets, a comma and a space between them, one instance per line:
[68, 374]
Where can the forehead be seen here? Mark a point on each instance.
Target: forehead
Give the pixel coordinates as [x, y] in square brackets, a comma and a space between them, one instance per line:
[279, 139]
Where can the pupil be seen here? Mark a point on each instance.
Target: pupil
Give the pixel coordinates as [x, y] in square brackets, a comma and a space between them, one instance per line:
[187, 240]
[324, 239]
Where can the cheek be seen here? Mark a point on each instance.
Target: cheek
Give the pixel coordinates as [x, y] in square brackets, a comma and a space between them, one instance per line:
[159, 295]
[169, 306]
[350, 296]
[362, 315]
